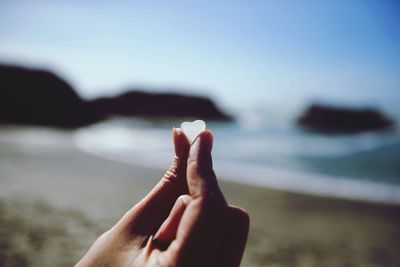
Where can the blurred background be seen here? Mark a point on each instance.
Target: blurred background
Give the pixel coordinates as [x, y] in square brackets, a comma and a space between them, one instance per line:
[302, 97]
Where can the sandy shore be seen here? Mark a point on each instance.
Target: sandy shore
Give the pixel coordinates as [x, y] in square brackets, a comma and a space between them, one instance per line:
[55, 200]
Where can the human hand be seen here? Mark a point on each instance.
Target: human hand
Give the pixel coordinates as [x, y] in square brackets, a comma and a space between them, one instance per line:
[183, 221]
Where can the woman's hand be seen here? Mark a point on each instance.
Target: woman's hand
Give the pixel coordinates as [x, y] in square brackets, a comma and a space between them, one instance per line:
[183, 221]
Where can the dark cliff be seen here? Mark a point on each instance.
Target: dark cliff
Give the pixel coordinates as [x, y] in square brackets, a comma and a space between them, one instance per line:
[137, 103]
[39, 97]
[327, 119]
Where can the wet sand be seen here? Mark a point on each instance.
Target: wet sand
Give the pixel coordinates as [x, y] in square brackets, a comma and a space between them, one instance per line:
[55, 200]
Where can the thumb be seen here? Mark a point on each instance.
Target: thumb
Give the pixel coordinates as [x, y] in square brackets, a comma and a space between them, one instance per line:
[201, 227]
[201, 178]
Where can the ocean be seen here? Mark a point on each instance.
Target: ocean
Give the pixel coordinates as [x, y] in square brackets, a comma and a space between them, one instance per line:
[265, 149]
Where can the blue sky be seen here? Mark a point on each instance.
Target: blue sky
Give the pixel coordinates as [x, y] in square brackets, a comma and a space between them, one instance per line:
[242, 52]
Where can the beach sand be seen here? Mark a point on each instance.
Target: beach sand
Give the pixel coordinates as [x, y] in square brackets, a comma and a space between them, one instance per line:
[55, 200]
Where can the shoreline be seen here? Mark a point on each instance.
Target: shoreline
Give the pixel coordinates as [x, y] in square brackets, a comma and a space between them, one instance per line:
[253, 175]
[309, 184]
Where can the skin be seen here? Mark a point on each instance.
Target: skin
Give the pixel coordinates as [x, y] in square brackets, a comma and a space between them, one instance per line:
[183, 221]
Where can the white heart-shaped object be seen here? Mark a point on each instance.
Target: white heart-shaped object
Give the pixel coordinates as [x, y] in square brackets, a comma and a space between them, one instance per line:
[192, 129]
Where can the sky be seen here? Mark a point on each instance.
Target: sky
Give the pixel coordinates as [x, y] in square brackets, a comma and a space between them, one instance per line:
[248, 53]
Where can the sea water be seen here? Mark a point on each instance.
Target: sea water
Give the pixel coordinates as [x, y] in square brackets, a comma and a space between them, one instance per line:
[265, 150]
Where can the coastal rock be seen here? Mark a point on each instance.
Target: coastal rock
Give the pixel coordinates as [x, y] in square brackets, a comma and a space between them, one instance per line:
[328, 119]
[38, 97]
[159, 105]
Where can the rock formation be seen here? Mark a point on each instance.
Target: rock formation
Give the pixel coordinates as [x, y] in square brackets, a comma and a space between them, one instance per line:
[327, 119]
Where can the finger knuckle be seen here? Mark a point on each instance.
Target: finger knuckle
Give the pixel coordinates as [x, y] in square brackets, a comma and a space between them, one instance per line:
[241, 215]
[172, 172]
[213, 200]
[184, 199]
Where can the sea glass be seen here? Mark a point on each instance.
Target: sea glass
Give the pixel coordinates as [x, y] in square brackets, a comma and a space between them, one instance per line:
[192, 129]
